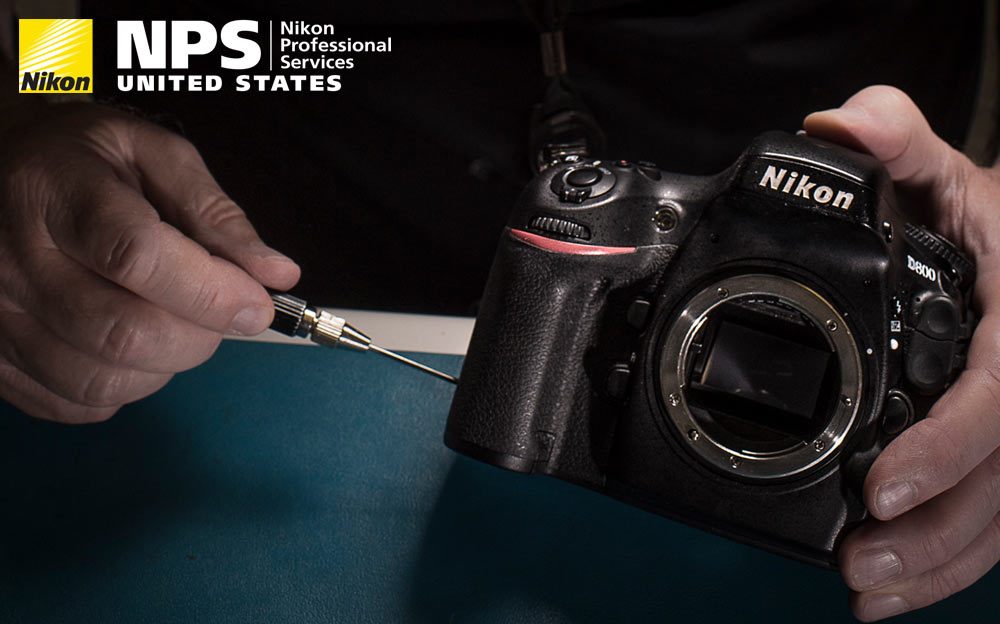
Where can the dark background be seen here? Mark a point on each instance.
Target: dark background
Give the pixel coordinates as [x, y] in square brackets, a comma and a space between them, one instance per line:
[392, 192]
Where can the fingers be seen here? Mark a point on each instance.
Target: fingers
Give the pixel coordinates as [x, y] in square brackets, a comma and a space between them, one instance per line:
[30, 397]
[178, 183]
[884, 122]
[960, 431]
[113, 231]
[937, 486]
[934, 585]
[68, 373]
[880, 553]
[104, 320]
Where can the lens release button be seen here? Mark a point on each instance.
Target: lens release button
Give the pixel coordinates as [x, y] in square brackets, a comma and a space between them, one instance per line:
[584, 177]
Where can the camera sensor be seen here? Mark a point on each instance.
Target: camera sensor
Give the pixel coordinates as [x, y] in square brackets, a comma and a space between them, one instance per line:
[760, 375]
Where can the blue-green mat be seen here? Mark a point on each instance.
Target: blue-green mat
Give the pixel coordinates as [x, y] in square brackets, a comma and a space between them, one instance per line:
[292, 484]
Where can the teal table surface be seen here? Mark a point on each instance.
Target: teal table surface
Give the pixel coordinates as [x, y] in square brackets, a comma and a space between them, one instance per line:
[279, 483]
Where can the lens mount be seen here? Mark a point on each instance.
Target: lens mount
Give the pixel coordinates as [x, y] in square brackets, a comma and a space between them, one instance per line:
[717, 445]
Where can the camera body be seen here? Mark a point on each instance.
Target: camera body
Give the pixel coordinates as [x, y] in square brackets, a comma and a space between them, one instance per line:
[730, 351]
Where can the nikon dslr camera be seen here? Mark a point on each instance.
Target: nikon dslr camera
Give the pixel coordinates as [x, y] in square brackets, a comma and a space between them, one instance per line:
[730, 351]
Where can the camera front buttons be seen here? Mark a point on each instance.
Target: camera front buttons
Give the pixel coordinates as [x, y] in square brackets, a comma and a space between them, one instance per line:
[617, 385]
[930, 362]
[898, 413]
[583, 181]
[939, 318]
[638, 313]
[934, 351]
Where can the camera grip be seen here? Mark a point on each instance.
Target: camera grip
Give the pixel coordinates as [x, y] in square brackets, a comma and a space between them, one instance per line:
[524, 395]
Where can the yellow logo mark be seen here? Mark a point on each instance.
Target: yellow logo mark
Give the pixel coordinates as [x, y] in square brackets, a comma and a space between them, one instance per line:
[55, 56]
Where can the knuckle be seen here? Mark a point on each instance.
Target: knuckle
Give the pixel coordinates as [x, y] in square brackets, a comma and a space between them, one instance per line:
[936, 546]
[103, 387]
[208, 300]
[943, 453]
[945, 581]
[131, 257]
[218, 210]
[125, 341]
[101, 190]
[179, 149]
[83, 213]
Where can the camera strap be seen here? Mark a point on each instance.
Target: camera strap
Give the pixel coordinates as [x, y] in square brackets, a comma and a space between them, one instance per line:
[562, 127]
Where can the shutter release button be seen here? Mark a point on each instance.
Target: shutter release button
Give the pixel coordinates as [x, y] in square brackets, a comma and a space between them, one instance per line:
[584, 177]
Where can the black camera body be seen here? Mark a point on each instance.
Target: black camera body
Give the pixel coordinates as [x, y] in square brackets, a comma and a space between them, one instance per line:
[730, 351]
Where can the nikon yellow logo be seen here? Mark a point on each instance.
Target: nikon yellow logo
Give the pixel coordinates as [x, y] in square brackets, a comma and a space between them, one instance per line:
[55, 56]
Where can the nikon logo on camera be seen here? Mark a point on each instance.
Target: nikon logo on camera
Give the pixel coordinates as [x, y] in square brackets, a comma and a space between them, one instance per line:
[791, 182]
[55, 56]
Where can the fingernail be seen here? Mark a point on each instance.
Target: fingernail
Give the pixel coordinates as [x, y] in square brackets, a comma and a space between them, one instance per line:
[249, 321]
[266, 253]
[874, 567]
[882, 606]
[847, 114]
[895, 498]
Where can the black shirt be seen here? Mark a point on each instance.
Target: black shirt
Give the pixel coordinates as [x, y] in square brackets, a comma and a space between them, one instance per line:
[392, 192]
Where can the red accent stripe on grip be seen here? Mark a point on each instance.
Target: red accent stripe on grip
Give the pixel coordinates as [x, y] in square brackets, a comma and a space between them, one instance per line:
[564, 247]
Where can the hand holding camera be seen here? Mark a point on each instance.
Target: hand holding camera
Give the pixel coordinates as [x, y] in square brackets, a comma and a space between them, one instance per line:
[933, 490]
[735, 351]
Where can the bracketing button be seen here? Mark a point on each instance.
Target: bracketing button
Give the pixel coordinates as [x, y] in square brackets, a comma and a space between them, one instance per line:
[939, 318]
[587, 176]
[898, 413]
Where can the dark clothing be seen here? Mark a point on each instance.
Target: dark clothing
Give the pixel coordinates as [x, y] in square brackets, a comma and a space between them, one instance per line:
[392, 192]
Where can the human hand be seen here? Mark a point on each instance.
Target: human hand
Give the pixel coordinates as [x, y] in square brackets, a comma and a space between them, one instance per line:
[121, 263]
[935, 491]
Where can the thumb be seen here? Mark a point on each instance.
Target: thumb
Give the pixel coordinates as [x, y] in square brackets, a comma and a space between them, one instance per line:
[178, 183]
[946, 189]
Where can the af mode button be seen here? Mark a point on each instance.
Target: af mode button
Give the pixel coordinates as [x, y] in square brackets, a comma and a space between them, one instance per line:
[583, 181]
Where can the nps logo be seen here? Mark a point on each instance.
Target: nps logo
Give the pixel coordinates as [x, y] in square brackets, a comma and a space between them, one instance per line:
[55, 56]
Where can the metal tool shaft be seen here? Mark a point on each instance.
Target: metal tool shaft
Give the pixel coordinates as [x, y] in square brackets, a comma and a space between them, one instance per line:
[409, 362]
[294, 317]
